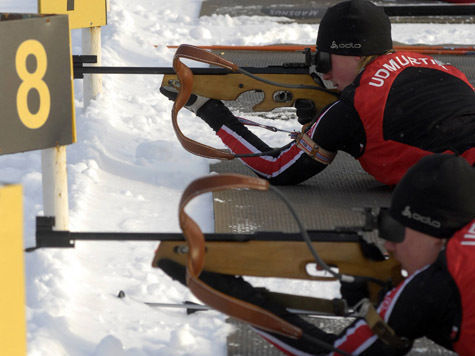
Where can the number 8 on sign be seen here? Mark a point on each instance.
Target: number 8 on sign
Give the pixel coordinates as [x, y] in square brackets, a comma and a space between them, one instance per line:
[33, 80]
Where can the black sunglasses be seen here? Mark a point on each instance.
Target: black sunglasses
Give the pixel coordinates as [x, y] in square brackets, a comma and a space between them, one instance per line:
[323, 63]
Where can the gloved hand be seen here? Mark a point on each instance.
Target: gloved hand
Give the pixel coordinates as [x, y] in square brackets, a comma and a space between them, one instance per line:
[193, 104]
[306, 110]
[353, 292]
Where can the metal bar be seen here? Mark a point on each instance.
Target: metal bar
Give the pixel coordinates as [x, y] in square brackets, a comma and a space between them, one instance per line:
[125, 70]
[321, 235]
[80, 69]
[47, 237]
[284, 69]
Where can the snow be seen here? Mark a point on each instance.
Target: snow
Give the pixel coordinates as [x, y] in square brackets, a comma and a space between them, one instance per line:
[126, 173]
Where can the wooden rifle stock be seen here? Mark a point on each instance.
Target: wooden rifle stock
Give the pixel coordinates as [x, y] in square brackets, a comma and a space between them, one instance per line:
[231, 85]
[285, 259]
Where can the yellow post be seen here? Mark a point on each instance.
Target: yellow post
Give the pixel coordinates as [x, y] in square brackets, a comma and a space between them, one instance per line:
[12, 276]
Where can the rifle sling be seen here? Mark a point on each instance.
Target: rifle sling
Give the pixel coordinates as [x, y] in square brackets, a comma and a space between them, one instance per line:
[185, 76]
[234, 307]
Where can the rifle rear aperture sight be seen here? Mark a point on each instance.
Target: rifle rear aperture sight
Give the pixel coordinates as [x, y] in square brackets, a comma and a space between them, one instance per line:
[282, 96]
[175, 83]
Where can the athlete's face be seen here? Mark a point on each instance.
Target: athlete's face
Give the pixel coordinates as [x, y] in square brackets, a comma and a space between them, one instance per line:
[416, 251]
[344, 70]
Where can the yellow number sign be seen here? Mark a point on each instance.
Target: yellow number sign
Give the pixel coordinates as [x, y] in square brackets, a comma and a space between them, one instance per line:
[36, 90]
[82, 13]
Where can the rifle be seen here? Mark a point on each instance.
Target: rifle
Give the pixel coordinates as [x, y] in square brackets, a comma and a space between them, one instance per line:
[286, 255]
[282, 85]
[256, 258]
[209, 81]
[267, 254]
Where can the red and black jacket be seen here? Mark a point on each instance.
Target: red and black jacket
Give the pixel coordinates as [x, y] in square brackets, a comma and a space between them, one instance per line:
[402, 107]
[437, 302]
[410, 106]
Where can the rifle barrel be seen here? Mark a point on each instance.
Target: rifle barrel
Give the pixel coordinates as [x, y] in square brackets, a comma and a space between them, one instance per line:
[80, 69]
[315, 235]
[47, 237]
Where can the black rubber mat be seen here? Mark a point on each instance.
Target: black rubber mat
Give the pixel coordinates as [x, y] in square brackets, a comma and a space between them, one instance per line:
[326, 201]
[245, 342]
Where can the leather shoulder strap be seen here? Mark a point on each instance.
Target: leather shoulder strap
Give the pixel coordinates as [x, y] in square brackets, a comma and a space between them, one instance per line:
[185, 76]
[231, 306]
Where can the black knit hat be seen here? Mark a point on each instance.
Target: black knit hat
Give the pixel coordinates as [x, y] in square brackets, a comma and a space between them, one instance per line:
[436, 196]
[355, 28]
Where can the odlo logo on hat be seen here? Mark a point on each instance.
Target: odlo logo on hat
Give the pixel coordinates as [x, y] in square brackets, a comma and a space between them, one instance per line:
[423, 219]
[345, 45]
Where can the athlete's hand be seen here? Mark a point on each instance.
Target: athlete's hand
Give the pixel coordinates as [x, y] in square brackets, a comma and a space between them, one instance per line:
[194, 102]
[306, 110]
[353, 292]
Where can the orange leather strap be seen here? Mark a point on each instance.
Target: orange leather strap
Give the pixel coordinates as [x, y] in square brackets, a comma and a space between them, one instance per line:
[185, 76]
[231, 306]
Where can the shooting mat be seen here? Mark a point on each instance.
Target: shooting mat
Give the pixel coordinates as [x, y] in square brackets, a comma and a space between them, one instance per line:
[325, 201]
